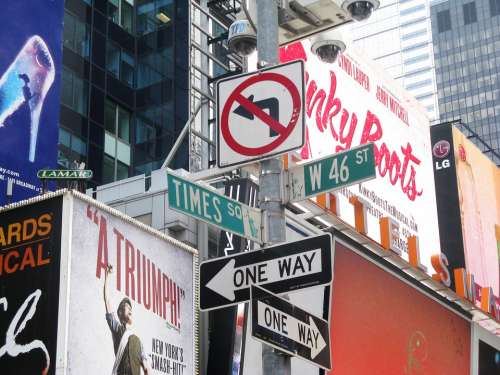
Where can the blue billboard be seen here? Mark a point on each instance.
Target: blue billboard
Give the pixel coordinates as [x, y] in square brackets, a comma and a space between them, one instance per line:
[30, 68]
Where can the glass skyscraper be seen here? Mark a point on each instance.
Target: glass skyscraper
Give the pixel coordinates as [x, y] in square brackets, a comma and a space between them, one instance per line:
[466, 37]
[125, 85]
[398, 37]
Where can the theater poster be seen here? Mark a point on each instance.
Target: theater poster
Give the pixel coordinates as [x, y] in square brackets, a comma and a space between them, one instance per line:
[30, 246]
[468, 201]
[30, 66]
[353, 102]
[130, 297]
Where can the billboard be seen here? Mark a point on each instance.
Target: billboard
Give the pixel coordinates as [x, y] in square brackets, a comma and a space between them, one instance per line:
[30, 65]
[382, 325]
[350, 103]
[131, 297]
[30, 247]
[485, 352]
[468, 201]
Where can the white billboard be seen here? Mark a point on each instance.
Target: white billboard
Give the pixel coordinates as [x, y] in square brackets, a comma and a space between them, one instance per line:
[129, 296]
[352, 102]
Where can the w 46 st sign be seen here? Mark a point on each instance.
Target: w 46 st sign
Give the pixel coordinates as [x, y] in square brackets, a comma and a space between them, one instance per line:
[332, 172]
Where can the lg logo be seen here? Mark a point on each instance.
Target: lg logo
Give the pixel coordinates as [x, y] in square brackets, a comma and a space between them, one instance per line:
[442, 164]
[441, 150]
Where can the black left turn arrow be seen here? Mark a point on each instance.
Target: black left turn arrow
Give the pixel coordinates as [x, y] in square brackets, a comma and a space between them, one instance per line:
[270, 104]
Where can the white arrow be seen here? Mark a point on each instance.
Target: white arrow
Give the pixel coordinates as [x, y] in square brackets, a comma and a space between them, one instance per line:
[231, 278]
[286, 325]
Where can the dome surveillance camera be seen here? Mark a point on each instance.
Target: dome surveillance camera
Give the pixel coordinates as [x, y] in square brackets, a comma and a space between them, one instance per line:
[328, 46]
[360, 9]
[241, 37]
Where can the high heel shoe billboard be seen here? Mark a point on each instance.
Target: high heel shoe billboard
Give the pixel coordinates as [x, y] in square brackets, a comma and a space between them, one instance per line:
[30, 59]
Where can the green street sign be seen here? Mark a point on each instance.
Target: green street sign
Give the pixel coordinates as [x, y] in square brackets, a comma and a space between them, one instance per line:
[64, 174]
[332, 172]
[214, 208]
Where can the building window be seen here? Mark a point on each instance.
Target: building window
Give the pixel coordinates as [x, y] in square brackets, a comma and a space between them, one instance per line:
[470, 15]
[444, 21]
[76, 35]
[411, 10]
[155, 67]
[120, 63]
[116, 161]
[117, 154]
[414, 34]
[415, 47]
[144, 132]
[71, 148]
[153, 14]
[117, 120]
[121, 12]
[416, 59]
[495, 7]
[74, 91]
[419, 84]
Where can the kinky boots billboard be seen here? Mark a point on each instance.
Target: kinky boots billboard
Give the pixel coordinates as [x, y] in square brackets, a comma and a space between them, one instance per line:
[30, 246]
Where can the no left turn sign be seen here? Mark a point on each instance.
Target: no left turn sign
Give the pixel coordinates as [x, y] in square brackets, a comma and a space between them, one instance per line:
[260, 114]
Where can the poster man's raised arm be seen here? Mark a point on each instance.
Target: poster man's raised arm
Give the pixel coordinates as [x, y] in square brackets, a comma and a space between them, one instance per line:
[109, 269]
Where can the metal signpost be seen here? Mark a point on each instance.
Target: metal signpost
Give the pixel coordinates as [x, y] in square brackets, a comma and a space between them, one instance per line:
[214, 208]
[283, 268]
[332, 172]
[278, 323]
[260, 114]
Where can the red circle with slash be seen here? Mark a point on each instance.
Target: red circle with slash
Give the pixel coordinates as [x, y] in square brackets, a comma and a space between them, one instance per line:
[283, 131]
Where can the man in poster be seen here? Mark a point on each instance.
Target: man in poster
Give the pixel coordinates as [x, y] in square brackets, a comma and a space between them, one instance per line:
[130, 355]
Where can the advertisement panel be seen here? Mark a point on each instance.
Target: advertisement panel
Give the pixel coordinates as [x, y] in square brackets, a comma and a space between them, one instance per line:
[30, 247]
[468, 192]
[485, 352]
[30, 65]
[489, 359]
[131, 298]
[351, 103]
[382, 325]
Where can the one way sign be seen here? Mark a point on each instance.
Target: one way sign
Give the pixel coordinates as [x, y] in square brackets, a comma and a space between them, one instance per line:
[278, 323]
[283, 268]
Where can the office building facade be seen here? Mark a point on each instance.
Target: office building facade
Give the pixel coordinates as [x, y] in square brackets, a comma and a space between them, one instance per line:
[466, 37]
[398, 37]
[124, 85]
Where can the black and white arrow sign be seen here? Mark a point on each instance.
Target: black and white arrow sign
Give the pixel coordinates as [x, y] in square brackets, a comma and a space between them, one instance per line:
[283, 268]
[278, 323]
